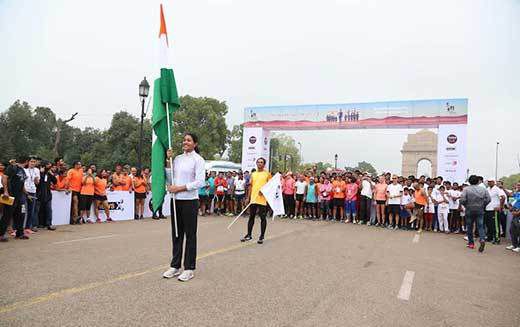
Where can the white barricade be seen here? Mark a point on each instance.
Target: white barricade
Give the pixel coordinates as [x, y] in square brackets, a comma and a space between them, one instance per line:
[121, 203]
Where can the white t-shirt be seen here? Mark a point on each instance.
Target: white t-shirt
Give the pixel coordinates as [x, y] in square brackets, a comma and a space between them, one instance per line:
[494, 193]
[394, 190]
[430, 207]
[32, 175]
[443, 207]
[300, 187]
[405, 199]
[454, 203]
[366, 188]
[240, 186]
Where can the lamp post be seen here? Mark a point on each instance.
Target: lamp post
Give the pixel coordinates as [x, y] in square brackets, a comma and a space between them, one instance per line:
[301, 157]
[496, 162]
[335, 161]
[144, 87]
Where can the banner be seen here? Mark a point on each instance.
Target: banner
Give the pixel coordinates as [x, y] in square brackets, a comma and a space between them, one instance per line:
[61, 202]
[387, 114]
[256, 142]
[452, 153]
[272, 192]
[121, 204]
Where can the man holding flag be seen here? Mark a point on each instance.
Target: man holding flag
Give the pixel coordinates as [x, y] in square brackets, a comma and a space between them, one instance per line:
[258, 203]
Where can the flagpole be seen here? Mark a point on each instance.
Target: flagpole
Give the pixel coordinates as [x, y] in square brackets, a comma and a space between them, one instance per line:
[240, 214]
[172, 196]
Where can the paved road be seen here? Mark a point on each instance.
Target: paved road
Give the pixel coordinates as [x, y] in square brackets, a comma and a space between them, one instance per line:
[306, 274]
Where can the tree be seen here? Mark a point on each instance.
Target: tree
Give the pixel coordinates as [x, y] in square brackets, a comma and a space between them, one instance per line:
[510, 181]
[206, 118]
[284, 153]
[364, 167]
[235, 143]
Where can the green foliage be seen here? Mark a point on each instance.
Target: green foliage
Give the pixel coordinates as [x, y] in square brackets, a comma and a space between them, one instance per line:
[204, 117]
[510, 181]
[235, 144]
[25, 130]
[364, 167]
[319, 166]
[284, 153]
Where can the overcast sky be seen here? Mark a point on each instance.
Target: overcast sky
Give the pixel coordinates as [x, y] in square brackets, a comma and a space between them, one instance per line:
[89, 57]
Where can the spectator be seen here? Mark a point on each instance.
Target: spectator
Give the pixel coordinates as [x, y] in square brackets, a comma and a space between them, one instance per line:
[33, 178]
[44, 195]
[475, 198]
[13, 182]
[100, 195]
[140, 188]
[86, 196]
[74, 183]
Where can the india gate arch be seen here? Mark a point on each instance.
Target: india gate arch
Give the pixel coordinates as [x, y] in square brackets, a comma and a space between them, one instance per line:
[449, 117]
[419, 146]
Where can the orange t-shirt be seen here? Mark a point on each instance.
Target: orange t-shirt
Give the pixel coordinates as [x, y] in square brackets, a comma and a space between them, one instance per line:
[139, 185]
[126, 182]
[338, 189]
[380, 191]
[100, 186]
[61, 183]
[420, 197]
[88, 186]
[75, 178]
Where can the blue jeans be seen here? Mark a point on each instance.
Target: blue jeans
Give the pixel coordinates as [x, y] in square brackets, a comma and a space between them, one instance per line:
[31, 214]
[478, 217]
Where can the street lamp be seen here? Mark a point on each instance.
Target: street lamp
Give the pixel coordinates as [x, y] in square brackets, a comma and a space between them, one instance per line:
[336, 161]
[301, 157]
[496, 162]
[144, 87]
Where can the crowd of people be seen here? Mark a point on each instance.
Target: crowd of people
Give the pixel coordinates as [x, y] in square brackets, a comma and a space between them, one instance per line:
[385, 201]
[28, 181]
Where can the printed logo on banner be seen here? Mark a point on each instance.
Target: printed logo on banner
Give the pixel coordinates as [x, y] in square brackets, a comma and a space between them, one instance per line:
[252, 139]
[114, 205]
[452, 139]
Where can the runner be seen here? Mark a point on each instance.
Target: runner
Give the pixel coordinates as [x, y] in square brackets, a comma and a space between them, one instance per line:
[258, 202]
[74, 183]
[299, 189]
[394, 194]
[429, 209]
[491, 214]
[141, 189]
[230, 199]
[351, 190]
[100, 195]
[325, 197]
[421, 202]
[475, 198]
[311, 200]
[380, 196]
[221, 188]
[86, 196]
[338, 197]
[443, 208]
[288, 194]
[240, 192]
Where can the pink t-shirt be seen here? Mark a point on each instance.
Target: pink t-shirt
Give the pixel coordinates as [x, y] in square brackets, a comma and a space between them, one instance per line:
[288, 186]
[325, 192]
[380, 191]
[352, 190]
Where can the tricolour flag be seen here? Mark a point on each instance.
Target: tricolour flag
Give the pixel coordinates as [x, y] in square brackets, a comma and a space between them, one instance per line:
[164, 96]
[272, 192]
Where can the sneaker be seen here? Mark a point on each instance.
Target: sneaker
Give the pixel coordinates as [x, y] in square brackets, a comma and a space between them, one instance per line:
[34, 229]
[171, 272]
[465, 238]
[510, 247]
[246, 238]
[109, 220]
[186, 275]
[28, 231]
[51, 227]
[98, 221]
[471, 245]
[260, 241]
[517, 250]
[23, 237]
[347, 221]
[481, 247]
[368, 224]
[396, 228]
[4, 239]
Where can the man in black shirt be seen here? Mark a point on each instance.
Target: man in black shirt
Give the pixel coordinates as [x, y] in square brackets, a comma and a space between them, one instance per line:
[43, 192]
[13, 182]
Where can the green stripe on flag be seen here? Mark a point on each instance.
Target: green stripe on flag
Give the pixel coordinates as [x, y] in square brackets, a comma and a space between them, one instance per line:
[165, 91]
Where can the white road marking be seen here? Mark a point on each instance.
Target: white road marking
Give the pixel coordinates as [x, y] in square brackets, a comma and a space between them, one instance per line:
[86, 239]
[416, 238]
[406, 286]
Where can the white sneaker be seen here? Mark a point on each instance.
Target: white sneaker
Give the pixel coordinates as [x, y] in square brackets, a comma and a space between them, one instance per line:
[465, 238]
[510, 247]
[186, 275]
[517, 250]
[172, 272]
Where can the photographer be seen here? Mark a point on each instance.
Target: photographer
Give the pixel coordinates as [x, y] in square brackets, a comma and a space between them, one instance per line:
[43, 192]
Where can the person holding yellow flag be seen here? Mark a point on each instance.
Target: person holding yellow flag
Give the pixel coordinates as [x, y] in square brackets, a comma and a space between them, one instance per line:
[258, 202]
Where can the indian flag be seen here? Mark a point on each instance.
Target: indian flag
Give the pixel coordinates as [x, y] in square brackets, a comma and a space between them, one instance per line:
[165, 102]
